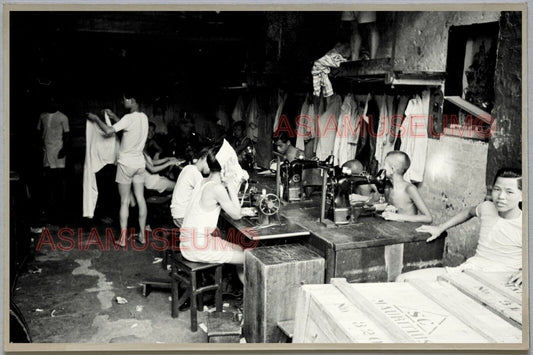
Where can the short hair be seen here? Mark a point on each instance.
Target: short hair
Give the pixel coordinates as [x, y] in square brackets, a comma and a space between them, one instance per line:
[241, 124]
[201, 153]
[282, 136]
[512, 173]
[401, 159]
[211, 159]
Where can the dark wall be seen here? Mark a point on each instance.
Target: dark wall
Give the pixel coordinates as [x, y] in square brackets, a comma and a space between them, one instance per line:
[505, 147]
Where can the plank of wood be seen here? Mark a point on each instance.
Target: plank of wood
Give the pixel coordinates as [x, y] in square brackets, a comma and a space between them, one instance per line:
[454, 308]
[497, 302]
[396, 333]
[287, 327]
[503, 290]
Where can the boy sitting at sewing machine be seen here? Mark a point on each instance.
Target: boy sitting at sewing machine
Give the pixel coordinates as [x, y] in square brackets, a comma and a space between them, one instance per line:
[403, 195]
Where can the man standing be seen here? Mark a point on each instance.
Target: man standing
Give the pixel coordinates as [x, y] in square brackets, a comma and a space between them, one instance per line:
[130, 164]
[55, 135]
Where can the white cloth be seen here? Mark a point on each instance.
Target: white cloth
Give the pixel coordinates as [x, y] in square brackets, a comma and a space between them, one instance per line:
[327, 129]
[303, 126]
[238, 110]
[53, 125]
[499, 247]
[99, 151]
[157, 182]
[252, 120]
[384, 140]
[229, 162]
[189, 177]
[348, 132]
[414, 136]
[281, 103]
[321, 69]
[135, 127]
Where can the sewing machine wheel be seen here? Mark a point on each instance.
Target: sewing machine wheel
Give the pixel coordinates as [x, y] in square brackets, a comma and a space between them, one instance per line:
[269, 204]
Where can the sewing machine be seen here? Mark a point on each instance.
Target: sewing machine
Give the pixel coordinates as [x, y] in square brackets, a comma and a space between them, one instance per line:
[340, 210]
[295, 180]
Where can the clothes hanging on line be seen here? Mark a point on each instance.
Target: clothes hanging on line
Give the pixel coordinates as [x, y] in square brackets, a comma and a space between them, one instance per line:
[252, 120]
[238, 110]
[348, 132]
[327, 128]
[281, 102]
[414, 135]
[303, 125]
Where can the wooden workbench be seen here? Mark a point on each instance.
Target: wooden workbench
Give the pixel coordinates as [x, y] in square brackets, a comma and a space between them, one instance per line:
[371, 250]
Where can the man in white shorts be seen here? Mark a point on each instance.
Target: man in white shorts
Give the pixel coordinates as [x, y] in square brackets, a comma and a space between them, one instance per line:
[130, 164]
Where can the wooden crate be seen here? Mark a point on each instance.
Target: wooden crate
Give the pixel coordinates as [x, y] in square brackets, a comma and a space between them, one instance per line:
[413, 312]
[223, 327]
[273, 276]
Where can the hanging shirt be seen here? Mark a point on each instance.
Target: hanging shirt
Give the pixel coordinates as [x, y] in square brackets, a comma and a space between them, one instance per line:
[321, 69]
[281, 103]
[252, 120]
[238, 110]
[345, 148]
[414, 136]
[303, 126]
[384, 140]
[327, 128]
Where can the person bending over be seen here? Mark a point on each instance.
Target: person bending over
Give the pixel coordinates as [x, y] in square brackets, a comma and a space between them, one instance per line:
[200, 238]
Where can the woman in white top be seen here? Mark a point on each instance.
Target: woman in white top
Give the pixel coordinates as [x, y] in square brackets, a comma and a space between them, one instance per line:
[200, 239]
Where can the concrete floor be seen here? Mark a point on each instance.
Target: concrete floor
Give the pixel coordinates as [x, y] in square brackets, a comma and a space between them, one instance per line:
[71, 296]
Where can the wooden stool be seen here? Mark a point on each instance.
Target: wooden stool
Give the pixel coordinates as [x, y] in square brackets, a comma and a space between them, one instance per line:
[184, 271]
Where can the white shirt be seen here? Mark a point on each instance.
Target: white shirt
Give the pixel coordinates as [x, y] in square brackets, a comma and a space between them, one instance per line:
[135, 127]
[499, 247]
[53, 125]
[189, 177]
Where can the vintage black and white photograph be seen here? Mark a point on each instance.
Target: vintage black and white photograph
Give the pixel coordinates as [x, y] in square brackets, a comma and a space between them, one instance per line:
[341, 175]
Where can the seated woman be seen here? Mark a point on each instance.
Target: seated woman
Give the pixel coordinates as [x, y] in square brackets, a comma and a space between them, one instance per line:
[200, 238]
[499, 247]
[154, 181]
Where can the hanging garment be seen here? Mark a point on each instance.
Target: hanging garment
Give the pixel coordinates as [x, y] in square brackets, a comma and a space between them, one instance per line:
[384, 138]
[99, 151]
[238, 110]
[415, 137]
[347, 132]
[281, 101]
[327, 129]
[321, 69]
[303, 125]
[252, 120]
[223, 118]
[398, 118]
[263, 148]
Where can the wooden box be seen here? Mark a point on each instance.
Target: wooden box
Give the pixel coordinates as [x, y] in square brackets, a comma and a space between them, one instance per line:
[273, 276]
[223, 327]
[411, 312]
